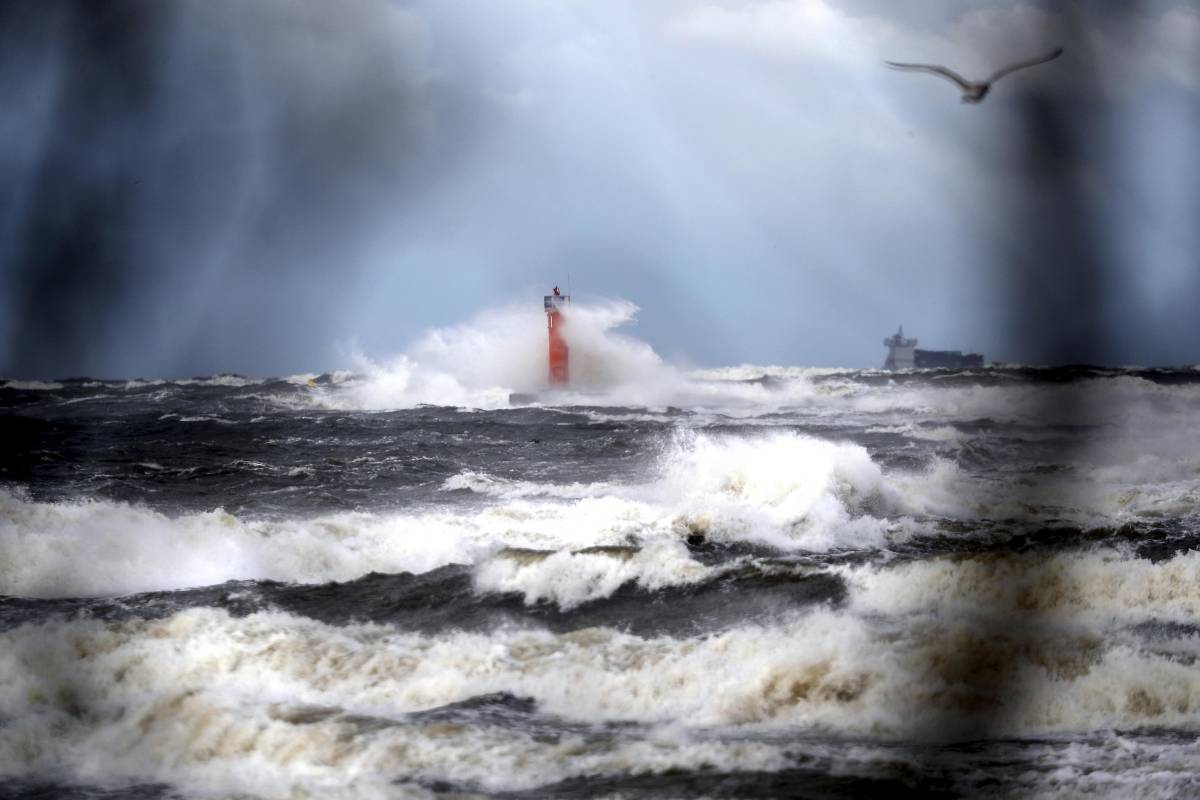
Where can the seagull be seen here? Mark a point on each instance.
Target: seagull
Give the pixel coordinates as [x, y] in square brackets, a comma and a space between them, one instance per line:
[975, 91]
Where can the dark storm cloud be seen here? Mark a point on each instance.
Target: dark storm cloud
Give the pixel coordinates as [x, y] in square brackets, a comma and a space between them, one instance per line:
[189, 170]
[1058, 276]
[68, 222]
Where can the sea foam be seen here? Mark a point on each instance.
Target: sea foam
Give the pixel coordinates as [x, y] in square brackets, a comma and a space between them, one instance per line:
[782, 490]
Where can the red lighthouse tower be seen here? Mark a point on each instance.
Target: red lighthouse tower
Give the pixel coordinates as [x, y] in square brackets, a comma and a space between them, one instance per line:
[555, 304]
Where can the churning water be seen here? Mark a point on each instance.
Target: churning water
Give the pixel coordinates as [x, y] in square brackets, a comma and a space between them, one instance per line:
[388, 583]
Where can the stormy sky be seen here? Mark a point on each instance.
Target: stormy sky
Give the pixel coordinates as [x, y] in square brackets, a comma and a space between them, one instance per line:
[202, 186]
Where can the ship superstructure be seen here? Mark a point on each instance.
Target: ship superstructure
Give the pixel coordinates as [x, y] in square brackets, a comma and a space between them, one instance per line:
[903, 354]
[901, 351]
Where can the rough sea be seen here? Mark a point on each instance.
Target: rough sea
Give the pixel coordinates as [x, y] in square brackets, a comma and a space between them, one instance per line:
[761, 582]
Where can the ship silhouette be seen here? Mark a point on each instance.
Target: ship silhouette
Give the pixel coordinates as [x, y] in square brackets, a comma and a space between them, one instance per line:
[903, 354]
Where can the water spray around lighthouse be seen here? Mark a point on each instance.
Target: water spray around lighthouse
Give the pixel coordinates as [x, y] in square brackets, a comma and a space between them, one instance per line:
[502, 355]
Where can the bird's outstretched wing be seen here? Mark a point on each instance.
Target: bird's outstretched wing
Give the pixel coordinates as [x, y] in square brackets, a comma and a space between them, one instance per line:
[934, 69]
[1033, 62]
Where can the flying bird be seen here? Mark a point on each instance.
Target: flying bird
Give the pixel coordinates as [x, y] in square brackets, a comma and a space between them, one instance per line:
[975, 91]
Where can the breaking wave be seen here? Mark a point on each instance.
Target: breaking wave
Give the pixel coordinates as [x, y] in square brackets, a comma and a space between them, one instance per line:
[786, 491]
[202, 694]
[569, 578]
[783, 490]
[313, 709]
[888, 561]
[479, 363]
[1103, 584]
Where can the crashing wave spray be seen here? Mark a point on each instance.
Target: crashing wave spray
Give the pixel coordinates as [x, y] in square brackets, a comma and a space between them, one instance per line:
[499, 353]
[478, 364]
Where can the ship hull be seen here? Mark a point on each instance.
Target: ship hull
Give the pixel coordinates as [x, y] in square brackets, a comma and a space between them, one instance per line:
[946, 359]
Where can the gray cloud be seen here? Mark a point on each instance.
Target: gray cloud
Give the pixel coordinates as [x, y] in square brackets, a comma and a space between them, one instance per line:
[196, 187]
[204, 172]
